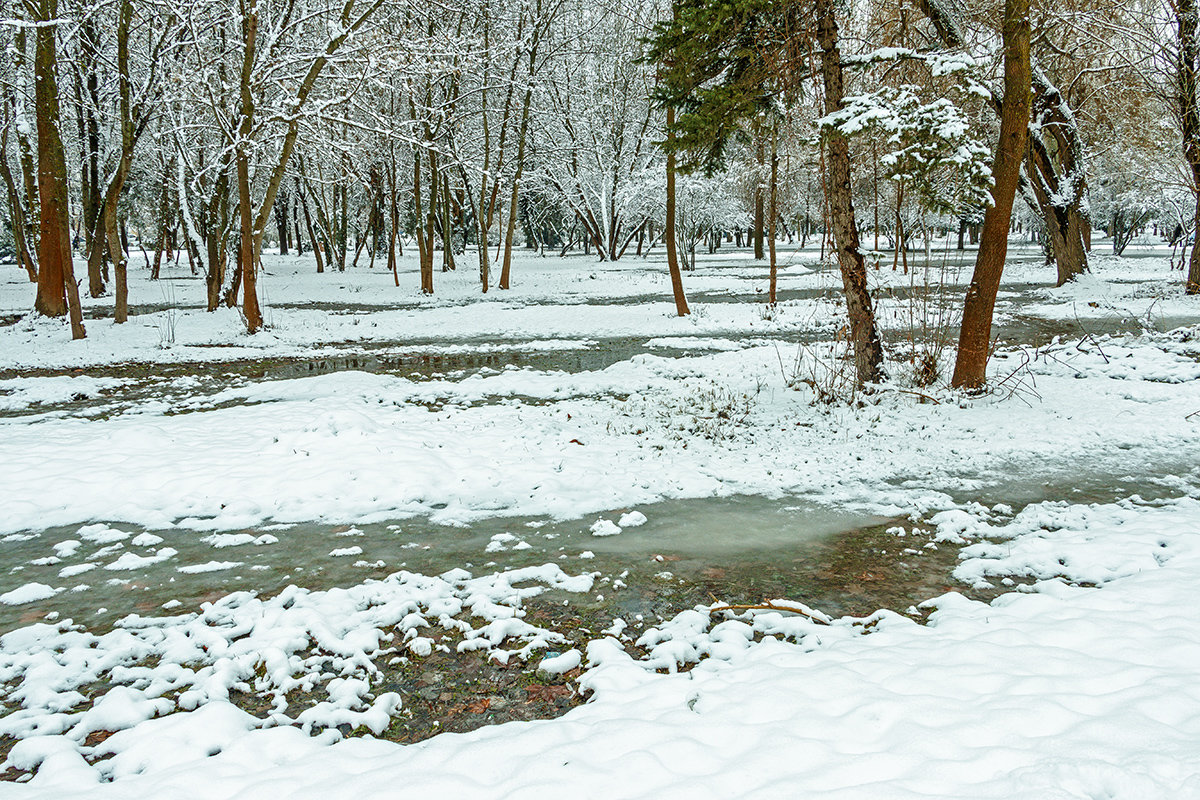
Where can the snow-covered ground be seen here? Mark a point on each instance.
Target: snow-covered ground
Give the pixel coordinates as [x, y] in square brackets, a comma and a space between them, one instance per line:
[1075, 484]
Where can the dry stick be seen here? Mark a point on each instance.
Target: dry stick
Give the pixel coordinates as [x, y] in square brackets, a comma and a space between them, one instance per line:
[767, 605]
[1194, 413]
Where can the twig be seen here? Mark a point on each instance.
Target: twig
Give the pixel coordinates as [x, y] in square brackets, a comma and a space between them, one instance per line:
[1087, 336]
[1194, 413]
[933, 400]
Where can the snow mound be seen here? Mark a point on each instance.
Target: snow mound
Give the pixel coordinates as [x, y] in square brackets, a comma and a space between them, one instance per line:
[29, 593]
[604, 527]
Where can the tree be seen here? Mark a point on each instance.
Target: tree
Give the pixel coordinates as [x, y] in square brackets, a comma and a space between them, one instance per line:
[731, 63]
[253, 216]
[597, 142]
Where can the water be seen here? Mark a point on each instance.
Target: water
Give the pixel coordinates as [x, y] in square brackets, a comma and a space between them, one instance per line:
[732, 548]
[688, 538]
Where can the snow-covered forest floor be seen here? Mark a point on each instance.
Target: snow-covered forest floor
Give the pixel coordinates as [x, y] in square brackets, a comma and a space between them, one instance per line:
[243, 566]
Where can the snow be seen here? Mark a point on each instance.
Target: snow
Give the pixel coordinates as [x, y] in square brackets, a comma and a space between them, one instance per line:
[208, 566]
[17, 394]
[604, 527]
[29, 593]
[560, 663]
[632, 519]
[1062, 686]
[1079, 681]
[132, 561]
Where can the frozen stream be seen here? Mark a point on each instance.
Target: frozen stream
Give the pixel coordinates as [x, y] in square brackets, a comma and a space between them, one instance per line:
[732, 547]
[770, 543]
[169, 385]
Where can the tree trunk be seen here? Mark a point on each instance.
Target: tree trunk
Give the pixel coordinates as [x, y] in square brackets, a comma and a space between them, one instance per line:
[1189, 111]
[669, 239]
[393, 222]
[864, 336]
[1055, 172]
[89, 174]
[117, 246]
[774, 212]
[758, 199]
[218, 237]
[447, 226]
[430, 226]
[17, 212]
[246, 257]
[54, 245]
[308, 225]
[970, 368]
[281, 222]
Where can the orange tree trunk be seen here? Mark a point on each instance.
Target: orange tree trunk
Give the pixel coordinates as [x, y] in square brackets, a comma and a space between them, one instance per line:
[970, 369]
[54, 242]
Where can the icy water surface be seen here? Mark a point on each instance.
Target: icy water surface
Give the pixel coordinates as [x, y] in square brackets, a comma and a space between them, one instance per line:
[768, 542]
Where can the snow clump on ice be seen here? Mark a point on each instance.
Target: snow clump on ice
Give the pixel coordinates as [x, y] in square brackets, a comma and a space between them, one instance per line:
[604, 527]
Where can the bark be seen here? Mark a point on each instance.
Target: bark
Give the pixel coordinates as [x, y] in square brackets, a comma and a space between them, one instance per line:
[217, 227]
[89, 175]
[117, 248]
[681, 304]
[25, 148]
[1189, 112]
[299, 241]
[774, 212]
[758, 200]
[522, 134]
[256, 227]
[54, 245]
[864, 336]
[447, 225]
[430, 226]
[970, 368]
[506, 264]
[1055, 182]
[17, 212]
[308, 225]
[281, 222]
[246, 250]
[393, 220]
[424, 246]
